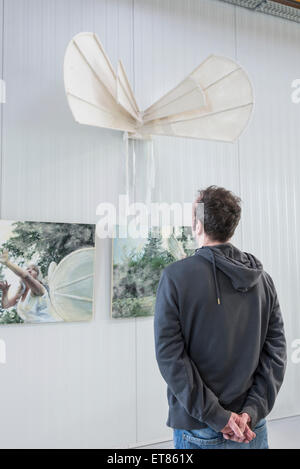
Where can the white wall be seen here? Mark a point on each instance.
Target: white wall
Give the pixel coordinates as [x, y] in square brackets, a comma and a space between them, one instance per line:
[97, 384]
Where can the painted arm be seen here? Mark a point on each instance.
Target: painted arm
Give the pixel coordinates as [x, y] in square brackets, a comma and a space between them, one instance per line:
[9, 302]
[34, 285]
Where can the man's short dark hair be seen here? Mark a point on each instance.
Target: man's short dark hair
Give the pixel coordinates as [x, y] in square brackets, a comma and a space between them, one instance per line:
[222, 212]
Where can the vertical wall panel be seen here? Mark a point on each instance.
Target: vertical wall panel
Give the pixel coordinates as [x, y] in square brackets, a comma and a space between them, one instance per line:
[171, 39]
[1, 76]
[269, 49]
[59, 169]
[68, 385]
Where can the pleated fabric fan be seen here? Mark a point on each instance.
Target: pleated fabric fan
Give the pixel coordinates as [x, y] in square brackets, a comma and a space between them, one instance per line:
[214, 102]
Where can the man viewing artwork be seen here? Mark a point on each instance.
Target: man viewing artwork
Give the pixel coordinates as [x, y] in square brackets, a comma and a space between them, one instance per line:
[219, 335]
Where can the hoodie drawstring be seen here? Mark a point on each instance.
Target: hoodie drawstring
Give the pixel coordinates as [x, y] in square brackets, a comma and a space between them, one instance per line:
[243, 269]
[215, 274]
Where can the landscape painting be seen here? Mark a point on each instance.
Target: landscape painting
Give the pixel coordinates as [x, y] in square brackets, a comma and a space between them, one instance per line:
[137, 266]
[46, 272]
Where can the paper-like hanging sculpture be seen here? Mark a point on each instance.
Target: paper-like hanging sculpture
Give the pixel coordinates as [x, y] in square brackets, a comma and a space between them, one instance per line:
[214, 102]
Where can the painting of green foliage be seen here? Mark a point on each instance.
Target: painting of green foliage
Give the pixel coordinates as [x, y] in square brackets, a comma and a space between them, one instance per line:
[137, 266]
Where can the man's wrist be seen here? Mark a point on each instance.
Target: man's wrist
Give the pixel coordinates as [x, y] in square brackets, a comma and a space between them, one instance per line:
[218, 417]
[248, 416]
[252, 412]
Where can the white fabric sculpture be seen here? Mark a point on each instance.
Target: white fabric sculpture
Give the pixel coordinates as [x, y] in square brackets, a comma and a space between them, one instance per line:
[214, 102]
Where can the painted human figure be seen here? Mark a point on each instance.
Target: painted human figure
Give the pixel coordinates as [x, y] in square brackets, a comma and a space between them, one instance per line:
[31, 297]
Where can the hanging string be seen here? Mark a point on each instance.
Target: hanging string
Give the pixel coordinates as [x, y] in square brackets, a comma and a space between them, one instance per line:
[150, 172]
[152, 166]
[133, 172]
[125, 139]
[141, 149]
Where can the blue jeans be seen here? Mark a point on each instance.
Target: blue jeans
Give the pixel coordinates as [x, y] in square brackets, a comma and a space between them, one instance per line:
[206, 438]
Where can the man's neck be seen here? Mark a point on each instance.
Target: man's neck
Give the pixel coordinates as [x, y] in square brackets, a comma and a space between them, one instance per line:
[208, 242]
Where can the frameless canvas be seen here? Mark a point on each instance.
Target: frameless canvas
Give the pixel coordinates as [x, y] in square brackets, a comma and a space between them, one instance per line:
[137, 266]
[46, 272]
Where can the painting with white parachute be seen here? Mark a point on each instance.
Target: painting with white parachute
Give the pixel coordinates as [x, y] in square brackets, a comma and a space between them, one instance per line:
[46, 272]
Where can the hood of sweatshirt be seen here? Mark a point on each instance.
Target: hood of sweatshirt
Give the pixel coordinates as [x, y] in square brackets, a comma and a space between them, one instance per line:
[243, 269]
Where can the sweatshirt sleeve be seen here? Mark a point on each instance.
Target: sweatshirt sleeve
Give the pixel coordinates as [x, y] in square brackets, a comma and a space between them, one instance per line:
[177, 369]
[270, 372]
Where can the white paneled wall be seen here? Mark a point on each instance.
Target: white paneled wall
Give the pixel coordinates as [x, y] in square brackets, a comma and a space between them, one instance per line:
[72, 385]
[269, 156]
[97, 384]
[168, 46]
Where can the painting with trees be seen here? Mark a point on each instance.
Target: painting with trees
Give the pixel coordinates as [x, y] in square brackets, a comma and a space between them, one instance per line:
[137, 266]
[46, 272]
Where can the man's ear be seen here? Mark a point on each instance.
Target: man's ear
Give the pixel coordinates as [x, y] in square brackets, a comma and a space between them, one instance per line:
[194, 208]
[199, 228]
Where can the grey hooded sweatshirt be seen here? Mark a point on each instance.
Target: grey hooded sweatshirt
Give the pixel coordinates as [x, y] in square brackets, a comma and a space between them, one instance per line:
[219, 338]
